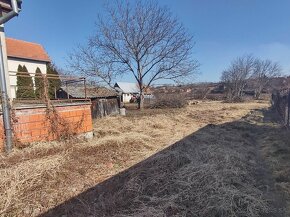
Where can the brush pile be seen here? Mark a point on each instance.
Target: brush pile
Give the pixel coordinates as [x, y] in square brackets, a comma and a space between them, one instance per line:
[169, 101]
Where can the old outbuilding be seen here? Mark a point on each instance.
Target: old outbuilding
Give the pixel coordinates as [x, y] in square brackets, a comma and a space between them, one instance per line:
[104, 101]
[126, 90]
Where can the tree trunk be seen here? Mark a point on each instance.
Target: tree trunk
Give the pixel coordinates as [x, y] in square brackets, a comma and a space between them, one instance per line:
[141, 101]
[258, 93]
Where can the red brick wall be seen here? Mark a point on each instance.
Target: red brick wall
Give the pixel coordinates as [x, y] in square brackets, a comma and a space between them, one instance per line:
[34, 125]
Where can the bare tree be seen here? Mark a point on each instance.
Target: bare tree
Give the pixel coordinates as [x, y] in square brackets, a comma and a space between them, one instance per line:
[264, 70]
[138, 38]
[236, 76]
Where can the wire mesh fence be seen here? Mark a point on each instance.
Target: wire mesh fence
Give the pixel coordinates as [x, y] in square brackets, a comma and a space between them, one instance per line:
[33, 88]
[281, 103]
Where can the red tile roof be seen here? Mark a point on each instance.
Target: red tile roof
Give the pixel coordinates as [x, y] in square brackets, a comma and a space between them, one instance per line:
[26, 50]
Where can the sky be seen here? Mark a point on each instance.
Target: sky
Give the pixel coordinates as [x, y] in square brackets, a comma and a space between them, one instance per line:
[222, 29]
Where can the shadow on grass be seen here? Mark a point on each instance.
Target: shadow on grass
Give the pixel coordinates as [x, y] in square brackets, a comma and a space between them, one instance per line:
[216, 171]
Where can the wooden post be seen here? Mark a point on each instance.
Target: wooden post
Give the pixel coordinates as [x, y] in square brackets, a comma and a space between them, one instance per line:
[85, 86]
[55, 95]
[66, 88]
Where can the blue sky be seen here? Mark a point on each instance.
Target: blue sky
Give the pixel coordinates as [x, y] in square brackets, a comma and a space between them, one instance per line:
[222, 29]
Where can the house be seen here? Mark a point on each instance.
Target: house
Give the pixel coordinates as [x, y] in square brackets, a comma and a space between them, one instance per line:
[19, 52]
[126, 90]
[104, 101]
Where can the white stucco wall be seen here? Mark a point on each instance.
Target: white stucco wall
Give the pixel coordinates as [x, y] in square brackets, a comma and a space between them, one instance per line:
[31, 66]
[127, 97]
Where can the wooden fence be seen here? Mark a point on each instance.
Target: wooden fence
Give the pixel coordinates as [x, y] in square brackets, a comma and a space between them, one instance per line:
[281, 103]
[103, 107]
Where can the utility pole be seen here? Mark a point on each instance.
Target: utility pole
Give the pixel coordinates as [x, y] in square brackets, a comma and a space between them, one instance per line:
[6, 109]
[11, 9]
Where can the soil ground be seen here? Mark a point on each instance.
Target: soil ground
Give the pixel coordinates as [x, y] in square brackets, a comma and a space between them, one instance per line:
[208, 159]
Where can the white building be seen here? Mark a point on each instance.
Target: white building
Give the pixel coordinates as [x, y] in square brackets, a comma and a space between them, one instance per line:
[126, 90]
[22, 53]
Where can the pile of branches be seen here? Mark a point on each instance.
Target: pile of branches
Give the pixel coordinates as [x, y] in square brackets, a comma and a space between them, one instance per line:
[169, 100]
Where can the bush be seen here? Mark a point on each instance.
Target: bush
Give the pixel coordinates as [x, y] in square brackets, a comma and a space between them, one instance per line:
[25, 85]
[215, 96]
[235, 100]
[39, 85]
[169, 101]
[53, 83]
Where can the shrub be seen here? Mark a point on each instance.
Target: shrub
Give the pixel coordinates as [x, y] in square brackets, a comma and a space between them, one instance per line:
[169, 101]
[235, 100]
[25, 89]
[55, 82]
[39, 85]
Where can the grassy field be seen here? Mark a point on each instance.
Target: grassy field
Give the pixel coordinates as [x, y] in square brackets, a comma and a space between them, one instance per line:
[214, 168]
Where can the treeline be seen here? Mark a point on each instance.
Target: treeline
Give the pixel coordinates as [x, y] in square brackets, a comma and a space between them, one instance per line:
[247, 69]
[27, 89]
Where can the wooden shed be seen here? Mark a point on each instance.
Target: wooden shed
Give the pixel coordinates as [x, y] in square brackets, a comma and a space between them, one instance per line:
[104, 101]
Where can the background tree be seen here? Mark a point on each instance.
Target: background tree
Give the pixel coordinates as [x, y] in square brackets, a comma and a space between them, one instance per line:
[54, 82]
[236, 76]
[39, 84]
[264, 71]
[139, 38]
[25, 89]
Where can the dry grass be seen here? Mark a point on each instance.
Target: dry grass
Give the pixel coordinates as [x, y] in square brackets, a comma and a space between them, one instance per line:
[198, 176]
[38, 178]
[275, 146]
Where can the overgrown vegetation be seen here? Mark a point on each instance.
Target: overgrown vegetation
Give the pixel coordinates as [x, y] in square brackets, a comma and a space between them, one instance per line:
[169, 101]
[198, 176]
[44, 175]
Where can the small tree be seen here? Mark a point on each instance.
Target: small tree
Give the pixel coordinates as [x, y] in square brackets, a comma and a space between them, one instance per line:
[39, 84]
[264, 70]
[236, 76]
[54, 82]
[25, 88]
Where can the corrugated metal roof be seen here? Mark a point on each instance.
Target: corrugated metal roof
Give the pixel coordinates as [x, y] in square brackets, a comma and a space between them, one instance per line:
[92, 92]
[126, 87]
